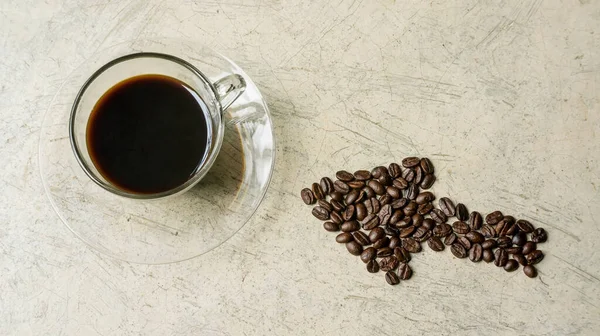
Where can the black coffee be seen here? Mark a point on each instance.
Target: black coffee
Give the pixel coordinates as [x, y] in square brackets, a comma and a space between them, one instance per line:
[148, 134]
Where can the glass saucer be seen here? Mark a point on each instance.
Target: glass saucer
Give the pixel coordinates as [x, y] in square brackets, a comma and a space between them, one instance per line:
[171, 229]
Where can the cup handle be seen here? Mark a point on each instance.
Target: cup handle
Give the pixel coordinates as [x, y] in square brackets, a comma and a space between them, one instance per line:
[228, 89]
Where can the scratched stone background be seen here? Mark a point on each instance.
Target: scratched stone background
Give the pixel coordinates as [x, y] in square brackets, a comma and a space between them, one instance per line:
[503, 96]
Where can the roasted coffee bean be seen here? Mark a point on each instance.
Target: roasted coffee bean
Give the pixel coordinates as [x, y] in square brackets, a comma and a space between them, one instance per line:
[529, 247]
[381, 243]
[400, 183]
[511, 265]
[409, 162]
[336, 217]
[509, 219]
[369, 193]
[337, 206]
[400, 203]
[412, 192]
[404, 222]
[476, 253]
[331, 226]
[394, 170]
[352, 196]
[438, 216]
[435, 244]
[376, 234]
[458, 250]
[475, 237]
[396, 216]
[307, 196]
[500, 228]
[391, 230]
[464, 242]
[394, 192]
[384, 252]
[389, 263]
[395, 242]
[475, 220]
[520, 239]
[411, 245]
[489, 244]
[450, 239]
[461, 227]
[428, 223]
[326, 205]
[510, 229]
[392, 278]
[326, 185]
[320, 212]
[317, 191]
[356, 184]
[354, 248]
[408, 175]
[373, 266]
[504, 242]
[424, 209]
[520, 259]
[378, 171]
[534, 257]
[525, 226]
[349, 213]
[426, 165]
[345, 176]
[385, 199]
[407, 231]
[494, 218]
[384, 214]
[421, 234]
[368, 254]
[514, 250]
[488, 256]
[362, 175]
[410, 209]
[350, 226]
[418, 175]
[337, 196]
[417, 220]
[442, 230]
[500, 257]
[530, 271]
[404, 271]
[370, 222]
[369, 206]
[361, 238]
[385, 180]
[539, 235]
[361, 211]
[341, 187]
[447, 206]
[461, 212]
[377, 187]
[344, 237]
[488, 231]
[402, 254]
[425, 197]
[428, 181]
[376, 205]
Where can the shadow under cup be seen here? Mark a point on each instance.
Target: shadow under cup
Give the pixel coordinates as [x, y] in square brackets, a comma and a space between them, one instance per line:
[133, 65]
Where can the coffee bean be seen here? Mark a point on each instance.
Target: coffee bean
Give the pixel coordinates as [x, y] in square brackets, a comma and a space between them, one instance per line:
[356, 184]
[417, 220]
[500, 228]
[461, 227]
[435, 244]
[344, 237]
[345, 176]
[320, 212]
[511, 265]
[426, 165]
[325, 205]
[349, 213]
[307, 196]
[400, 203]
[337, 196]
[425, 197]
[389, 263]
[418, 175]
[475, 220]
[404, 271]
[385, 180]
[337, 206]
[400, 183]
[384, 214]
[489, 244]
[392, 278]
[376, 205]
[317, 191]
[476, 253]
[361, 238]
[494, 218]
[461, 212]
[488, 231]
[360, 211]
[514, 250]
[396, 217]
[369, 193]
[438, 216]
[368, 254]
[458, 250]
[394, 170]
[450, 239]
[336, 217]
[447, 206]
[422, 234]
[354, 248]
[509, 219]
[350, 226]
[377, 172]
[341, 187]
[385, 199]
[525, 226]
[529, 247]
[510, 229]
[442, 230]
[370, 222]
[377, 187]
[373, 266]
[519, 239]
[464, 242]
[504, 242]
[534, 257]
[500, 257]
[381, 243]
[331, 226]
[539, 235]
[424, 209]
[410, 209]
[408, 175]
[475, 237]
[407, 232]
[326, 185]
[428, 223]
[362, 175]
[409, 162]
[411, 245]
[412, 192]
[402, 254]
[395, 242]
[530, 271]
[520, 259]
[428, 181]
[394, 192]
[352, 196]
[404, 222]
[488, 256]
[384, 252]
[391, 230]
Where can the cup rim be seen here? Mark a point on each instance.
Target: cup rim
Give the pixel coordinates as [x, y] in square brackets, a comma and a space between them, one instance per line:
[198, 174]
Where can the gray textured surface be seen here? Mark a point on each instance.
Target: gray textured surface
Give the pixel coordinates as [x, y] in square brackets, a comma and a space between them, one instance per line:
[502, 95]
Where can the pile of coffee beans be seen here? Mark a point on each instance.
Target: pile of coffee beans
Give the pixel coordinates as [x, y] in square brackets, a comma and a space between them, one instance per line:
[385, 214]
